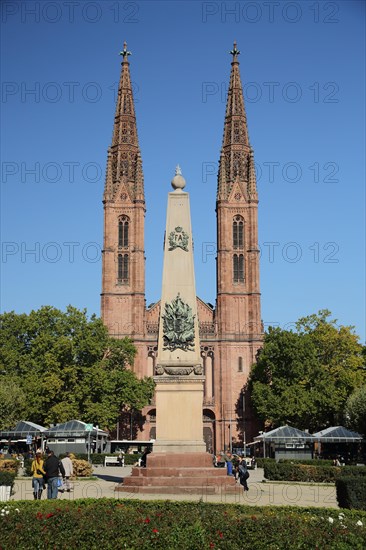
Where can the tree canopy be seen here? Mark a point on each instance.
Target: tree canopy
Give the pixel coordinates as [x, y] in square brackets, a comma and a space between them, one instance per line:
[305, 377]
[56, 366]
[355, 412]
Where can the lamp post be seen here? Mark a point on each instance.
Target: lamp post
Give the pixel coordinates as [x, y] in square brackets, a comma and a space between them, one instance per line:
[264, 444]
[244, 434]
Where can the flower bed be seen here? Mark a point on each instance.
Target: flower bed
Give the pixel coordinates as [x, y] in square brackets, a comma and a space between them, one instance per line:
[111, 524]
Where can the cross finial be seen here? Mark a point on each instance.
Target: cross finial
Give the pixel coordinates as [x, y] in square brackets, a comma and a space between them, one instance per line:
[178, 171]
[235, 52]
[125, 53]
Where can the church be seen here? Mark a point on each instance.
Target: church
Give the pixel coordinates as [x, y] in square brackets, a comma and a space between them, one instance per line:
[231, 332]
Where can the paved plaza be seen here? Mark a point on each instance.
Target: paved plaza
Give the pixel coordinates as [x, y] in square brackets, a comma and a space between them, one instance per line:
[260, 493]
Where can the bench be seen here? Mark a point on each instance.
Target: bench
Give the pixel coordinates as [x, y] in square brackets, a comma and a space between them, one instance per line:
[111, 460]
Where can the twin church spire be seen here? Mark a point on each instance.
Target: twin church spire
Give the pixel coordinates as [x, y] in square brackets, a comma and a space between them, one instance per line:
[124, 164]
[236, 158]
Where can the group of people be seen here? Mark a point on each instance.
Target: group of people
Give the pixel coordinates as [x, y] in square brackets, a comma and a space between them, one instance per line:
[236, 466]
[48, 472]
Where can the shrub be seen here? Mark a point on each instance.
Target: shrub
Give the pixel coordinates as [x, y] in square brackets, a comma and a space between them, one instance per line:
[7, 478]
[351, 492]
[82, 468]
[110, 523]
[9, 465]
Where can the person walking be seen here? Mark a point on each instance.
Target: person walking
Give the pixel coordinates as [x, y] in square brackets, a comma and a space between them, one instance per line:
[69, 471]
[38, 472]
[53, 466]
[243, 474]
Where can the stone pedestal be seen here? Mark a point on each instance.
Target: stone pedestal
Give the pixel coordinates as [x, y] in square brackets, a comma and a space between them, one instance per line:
[180, 473]
[179, 415]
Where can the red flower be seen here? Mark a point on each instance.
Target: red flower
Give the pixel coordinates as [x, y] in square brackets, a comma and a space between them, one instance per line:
[49, 515]
[155, 530]
[147, 520]
[212, 544]
[221, 535]
[39, 515]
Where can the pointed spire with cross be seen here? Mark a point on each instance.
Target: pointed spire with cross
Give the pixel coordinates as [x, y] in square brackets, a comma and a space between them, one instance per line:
[235, 150]
[125, 159]
[235, 52]
[125, 53]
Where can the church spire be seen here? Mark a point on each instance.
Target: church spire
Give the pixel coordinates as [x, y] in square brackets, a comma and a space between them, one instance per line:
[124, 162]
[236, 151]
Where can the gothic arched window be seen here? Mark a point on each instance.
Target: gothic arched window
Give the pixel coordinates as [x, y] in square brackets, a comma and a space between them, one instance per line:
[123, 227]
[238, 268]
[122, 268]
[238, 232]
[240, 364]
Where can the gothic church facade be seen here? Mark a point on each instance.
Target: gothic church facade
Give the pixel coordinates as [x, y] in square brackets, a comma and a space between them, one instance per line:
[230, 333]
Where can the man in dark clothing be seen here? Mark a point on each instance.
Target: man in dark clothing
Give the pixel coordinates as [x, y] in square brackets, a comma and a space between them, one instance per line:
[53, 466]
[243, 474]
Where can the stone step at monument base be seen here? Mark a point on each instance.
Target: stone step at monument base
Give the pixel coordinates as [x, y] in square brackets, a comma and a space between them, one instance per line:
[179, 473]
[181, 481]
[192, 490]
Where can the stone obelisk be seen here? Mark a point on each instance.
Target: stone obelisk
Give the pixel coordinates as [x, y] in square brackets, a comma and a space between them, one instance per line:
[179, 463]
[178, 373]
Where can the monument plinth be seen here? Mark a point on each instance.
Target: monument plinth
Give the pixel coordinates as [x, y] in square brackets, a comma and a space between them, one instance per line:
[179, 373]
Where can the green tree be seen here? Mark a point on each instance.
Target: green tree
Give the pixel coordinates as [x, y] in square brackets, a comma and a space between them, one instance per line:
[304, 378]
[355, 411]
[12, 403]
[68, 367]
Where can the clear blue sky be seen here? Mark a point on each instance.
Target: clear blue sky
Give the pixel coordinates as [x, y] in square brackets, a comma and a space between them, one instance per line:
[302, 66]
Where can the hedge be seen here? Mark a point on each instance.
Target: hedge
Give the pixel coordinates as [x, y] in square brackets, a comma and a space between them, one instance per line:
[313, 462]
[109, 524]
[351, 492]
[262, 461]
[7, 478]
[302, 472]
